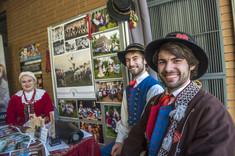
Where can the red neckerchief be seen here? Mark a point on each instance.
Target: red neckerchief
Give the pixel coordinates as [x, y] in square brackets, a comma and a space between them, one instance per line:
[132, 84]
[165, 99]
[32, 99]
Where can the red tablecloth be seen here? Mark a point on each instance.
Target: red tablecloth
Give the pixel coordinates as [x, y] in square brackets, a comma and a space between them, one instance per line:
[85, 147]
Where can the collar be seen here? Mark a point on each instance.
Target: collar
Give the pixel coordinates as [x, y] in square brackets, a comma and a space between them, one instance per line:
[141, 78]
[176, 92]
[38, 96]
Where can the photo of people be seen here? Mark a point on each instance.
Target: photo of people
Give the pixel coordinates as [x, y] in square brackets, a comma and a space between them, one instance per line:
[112, 116]
[70, 46]
[109, 91]
[57, 33]
[106, 43]
[100, 21]
[67, 108]
[58, 47]
[89, 110]
[73, 69]
[107, 67]
[82, 43]
[96, 130]
[75, 29]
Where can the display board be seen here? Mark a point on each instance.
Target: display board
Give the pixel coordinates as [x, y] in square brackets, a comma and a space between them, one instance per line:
[89, 79]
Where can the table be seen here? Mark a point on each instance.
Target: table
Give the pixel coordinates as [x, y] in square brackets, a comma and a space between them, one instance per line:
[87, 146]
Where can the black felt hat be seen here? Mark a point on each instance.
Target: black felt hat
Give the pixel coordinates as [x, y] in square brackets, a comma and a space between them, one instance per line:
[185, 39]
[120, 9]
[131, 48]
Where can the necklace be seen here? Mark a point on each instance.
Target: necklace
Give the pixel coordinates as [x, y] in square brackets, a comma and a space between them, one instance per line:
[32, 99]
[28, 108]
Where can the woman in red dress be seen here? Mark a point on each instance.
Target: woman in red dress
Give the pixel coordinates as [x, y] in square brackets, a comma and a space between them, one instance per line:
[27, 101]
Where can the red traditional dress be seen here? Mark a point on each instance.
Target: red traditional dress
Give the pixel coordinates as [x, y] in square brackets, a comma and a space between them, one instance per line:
[20, 107]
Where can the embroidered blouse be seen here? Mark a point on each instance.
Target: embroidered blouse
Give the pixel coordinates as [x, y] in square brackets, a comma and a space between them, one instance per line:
[18, 109]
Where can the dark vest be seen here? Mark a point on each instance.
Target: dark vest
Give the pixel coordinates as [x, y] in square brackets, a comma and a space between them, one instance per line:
[137, 99]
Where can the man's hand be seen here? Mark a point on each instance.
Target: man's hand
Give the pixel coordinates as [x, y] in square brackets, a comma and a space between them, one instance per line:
[117, 148]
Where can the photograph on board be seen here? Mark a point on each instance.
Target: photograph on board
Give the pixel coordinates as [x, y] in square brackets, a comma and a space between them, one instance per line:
[82, 43]
[76, 28]
[67, 108]
[89, 110]
[106, 43]
[70, 46]
[73, 69]
[96, 130]
[107, 67]
[57, 33]
[100, 21]
[109, 91]
[58, 47]
[112, 116]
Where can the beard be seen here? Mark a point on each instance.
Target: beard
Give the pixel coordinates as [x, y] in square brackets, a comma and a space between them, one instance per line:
[175, 84]
[138, 72]
[140, 69]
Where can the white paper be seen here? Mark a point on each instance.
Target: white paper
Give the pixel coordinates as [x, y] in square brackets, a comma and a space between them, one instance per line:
[44, 133]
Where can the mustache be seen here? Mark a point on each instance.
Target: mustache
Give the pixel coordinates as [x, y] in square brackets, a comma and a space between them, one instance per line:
[132, 67]
[168, 73]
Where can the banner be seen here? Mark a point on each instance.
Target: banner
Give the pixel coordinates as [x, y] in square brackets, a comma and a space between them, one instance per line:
[4, 89]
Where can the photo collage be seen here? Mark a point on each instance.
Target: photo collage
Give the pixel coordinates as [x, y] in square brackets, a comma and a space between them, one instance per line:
[89, 70]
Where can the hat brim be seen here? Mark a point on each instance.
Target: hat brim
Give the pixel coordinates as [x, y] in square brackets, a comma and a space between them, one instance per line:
[199, 53]
[117, 16]
[121, 55]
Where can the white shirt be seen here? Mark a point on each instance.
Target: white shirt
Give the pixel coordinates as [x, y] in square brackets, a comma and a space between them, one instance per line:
[122, 126]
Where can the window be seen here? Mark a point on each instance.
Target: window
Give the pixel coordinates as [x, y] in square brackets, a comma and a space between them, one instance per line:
[201, 19]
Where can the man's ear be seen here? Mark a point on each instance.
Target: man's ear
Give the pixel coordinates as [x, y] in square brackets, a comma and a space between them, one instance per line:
[192, 67]
[145, 62]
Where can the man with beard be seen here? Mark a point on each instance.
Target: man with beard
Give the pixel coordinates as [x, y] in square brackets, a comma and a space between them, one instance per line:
[185, 119]
[136, 95]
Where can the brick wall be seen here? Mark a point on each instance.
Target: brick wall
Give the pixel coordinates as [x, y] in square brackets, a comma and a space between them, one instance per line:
[27, 22]
[229, 52]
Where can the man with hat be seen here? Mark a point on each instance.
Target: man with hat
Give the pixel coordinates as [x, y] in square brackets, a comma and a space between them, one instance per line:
[185, 119]
[136, 95]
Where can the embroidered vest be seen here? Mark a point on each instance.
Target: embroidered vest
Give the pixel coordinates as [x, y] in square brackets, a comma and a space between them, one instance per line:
[137, 99]
[178, 113]
[160, 129]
